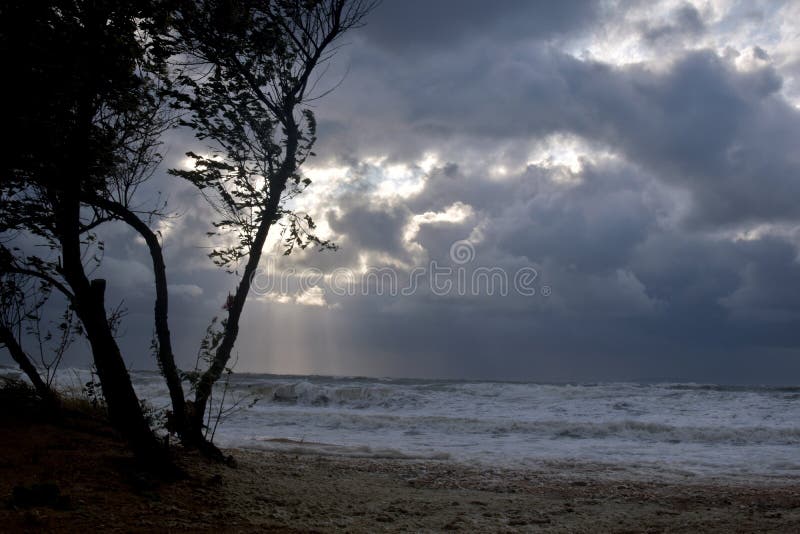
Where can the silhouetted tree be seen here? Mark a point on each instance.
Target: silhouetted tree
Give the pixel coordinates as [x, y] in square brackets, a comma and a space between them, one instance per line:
[244, 71]
[78, 107]
[87, 117]
[21, 300]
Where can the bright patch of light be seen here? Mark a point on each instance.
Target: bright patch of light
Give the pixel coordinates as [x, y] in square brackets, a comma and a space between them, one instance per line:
[397, 172]
[375, 161]
[562, 158]
[280, 298]
[730, 26]
[325, 175]
[623, 51]
[312, 297]
[189, 163]
[455, 213]
[786, 51]
[565, 156]
[428, 162]
[399, 181]
[326, 183]
[751, 60]
[387, 181]
[363, 262]
[765, 230]
[498, 171]
[752, 234]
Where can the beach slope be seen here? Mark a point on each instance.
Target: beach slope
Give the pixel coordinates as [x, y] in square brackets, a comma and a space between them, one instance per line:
[80, 477]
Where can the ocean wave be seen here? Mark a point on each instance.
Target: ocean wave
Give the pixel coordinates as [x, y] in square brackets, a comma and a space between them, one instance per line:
[716, 428]
[732, 388]
[305, 393]
[348, 422]
[646, 431]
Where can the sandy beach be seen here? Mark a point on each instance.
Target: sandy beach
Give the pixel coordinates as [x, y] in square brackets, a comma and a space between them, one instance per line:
[81, 478]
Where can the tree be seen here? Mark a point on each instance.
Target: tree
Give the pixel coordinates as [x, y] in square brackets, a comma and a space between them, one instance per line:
[80, 108]
[20, 305]
[244, 75]
[87, 116]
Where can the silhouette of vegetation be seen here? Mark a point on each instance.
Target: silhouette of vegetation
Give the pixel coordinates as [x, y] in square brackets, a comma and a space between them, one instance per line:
[96, 85]
[82, 121]
[243, 72]
[21, 302]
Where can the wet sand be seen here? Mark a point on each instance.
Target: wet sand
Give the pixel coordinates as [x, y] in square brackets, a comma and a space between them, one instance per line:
[100, 488]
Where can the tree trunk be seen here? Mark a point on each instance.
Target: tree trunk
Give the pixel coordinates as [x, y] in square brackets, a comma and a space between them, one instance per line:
[21, 357]
[124, 409]
[268, 218]
[65, 191]
[223, 353]
[166, 358]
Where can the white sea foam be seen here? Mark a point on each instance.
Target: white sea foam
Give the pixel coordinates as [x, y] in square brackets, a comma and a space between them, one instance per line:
[690, 428]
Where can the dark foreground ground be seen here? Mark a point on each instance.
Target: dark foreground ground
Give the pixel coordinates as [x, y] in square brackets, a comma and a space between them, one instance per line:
[76, 476]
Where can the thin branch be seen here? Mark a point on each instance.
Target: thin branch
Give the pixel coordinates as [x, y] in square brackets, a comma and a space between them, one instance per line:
[44, 276]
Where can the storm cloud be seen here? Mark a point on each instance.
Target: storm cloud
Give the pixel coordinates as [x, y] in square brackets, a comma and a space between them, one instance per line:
[640, 157]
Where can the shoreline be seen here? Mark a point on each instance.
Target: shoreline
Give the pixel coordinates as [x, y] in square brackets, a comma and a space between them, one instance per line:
[99, 487]
[552, 468]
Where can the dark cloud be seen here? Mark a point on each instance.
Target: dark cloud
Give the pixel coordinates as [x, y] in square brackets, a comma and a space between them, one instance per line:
[418, 27]
[370, 227]
[668, 239]
[589, 228]
[699, 123]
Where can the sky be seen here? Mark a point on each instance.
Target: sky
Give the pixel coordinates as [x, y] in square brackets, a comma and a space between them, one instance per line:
[610, 187]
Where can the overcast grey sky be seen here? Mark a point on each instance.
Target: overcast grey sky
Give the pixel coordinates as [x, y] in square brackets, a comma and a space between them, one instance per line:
[641, 157]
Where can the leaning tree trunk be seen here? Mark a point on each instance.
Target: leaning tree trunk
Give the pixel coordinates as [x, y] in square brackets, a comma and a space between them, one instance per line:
[166, 358]
[64, 190]
[223, 353]
[268, 217]
[196, 410]
[124, 409]
[44, 391]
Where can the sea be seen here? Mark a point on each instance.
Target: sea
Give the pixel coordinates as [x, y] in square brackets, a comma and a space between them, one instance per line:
[648, 429]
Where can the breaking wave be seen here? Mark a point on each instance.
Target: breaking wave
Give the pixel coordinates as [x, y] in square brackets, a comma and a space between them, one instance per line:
[698, 428]
[355, 396]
